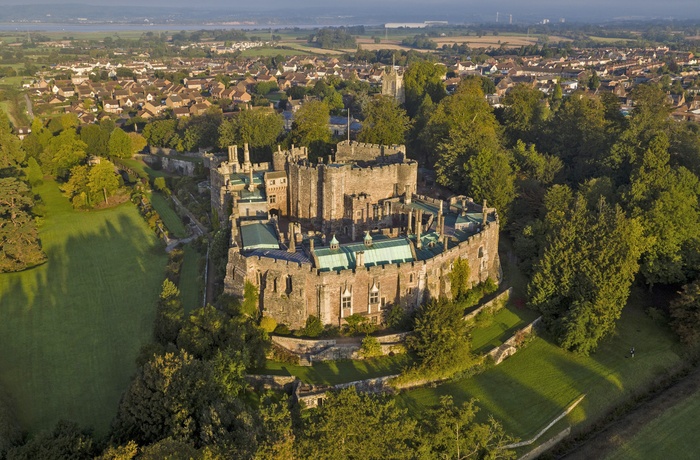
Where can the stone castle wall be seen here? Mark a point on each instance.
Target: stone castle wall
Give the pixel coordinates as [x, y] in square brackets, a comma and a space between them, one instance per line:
[318, 193]
[358, 151]
[290, 292]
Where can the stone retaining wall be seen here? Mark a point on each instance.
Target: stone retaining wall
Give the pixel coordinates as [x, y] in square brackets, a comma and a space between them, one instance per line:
[512, 345]
[496, 304]
[270, 382]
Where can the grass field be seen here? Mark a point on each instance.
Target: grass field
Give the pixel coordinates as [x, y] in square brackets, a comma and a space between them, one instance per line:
[496, 330]
[170, 218]
[190, 282]
[143, 169]
[334, 372]
[534, 386]
[670, 436]
[70, 329]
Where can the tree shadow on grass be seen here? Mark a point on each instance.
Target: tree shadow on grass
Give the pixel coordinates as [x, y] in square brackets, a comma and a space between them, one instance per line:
[71, 329]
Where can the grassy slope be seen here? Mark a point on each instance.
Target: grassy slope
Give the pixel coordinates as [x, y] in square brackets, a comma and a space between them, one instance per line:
[190, 282]
[672, 435]
[170, 218]
[70, 329]
[502, 326]
[531, 388]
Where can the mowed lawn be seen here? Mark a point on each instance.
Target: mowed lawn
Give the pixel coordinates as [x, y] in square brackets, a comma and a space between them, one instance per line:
[70, 330]
[673, 435]
[534, 386]
[191, 284]
[170, 218]
[335, 372]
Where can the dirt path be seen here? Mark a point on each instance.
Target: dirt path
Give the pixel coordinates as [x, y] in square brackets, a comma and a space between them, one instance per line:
[623, 429]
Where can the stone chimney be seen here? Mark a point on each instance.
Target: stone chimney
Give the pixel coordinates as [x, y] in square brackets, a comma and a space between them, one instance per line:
[409, 194]
[444, 242]
[311, 244]
[292, 240]
[464, 206]
[233, 154]
[409, 216]
[246, 156]
[485, 215]
[419, 228]
[251, 185]
[359, 259]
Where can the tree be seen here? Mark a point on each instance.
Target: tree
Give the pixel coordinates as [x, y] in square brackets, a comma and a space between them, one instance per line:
[665, 200]
[260, 129]
[685, 314]
[188, 400]
[119, 145]
[583, 279]
[11, 155]
[62, 153]
[276, 439]
[19, 240]
[370, 347]
[351, 426]
[169, 315]
[138, 142]
[459, 278]
[103, 179]
[66, 440]
[96, 140]
[581, 136]
[33, 172]
[420, 79]
[451, 431]
[311, 126]
[461, 128]
[525, 113]
[385, 123]
[439, 338]
[77, 187]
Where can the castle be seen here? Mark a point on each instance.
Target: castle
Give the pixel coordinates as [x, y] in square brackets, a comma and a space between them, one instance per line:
[349, 235]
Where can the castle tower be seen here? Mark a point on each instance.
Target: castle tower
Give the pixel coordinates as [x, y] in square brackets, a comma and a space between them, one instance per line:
[392, 85]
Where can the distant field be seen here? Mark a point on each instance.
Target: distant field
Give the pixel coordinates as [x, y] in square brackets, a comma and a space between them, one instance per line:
[610, 39]
[264, 52]
[70, 330]
[509, 40]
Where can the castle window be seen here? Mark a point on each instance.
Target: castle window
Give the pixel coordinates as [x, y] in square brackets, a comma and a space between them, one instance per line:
[346, 303]
[481, 251]
[272, 182]
[274, 285]
[273, 199]
[374, 294]
[289, 284]
[410, 278]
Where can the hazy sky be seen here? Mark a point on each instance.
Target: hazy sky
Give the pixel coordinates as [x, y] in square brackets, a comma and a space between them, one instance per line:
[457, 9]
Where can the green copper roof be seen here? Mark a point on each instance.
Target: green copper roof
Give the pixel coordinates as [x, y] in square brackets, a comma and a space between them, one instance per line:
[259, 236]
[388, 251]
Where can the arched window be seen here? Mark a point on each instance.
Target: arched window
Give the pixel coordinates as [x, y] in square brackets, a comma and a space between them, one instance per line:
[288, 289]
[481, 251]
